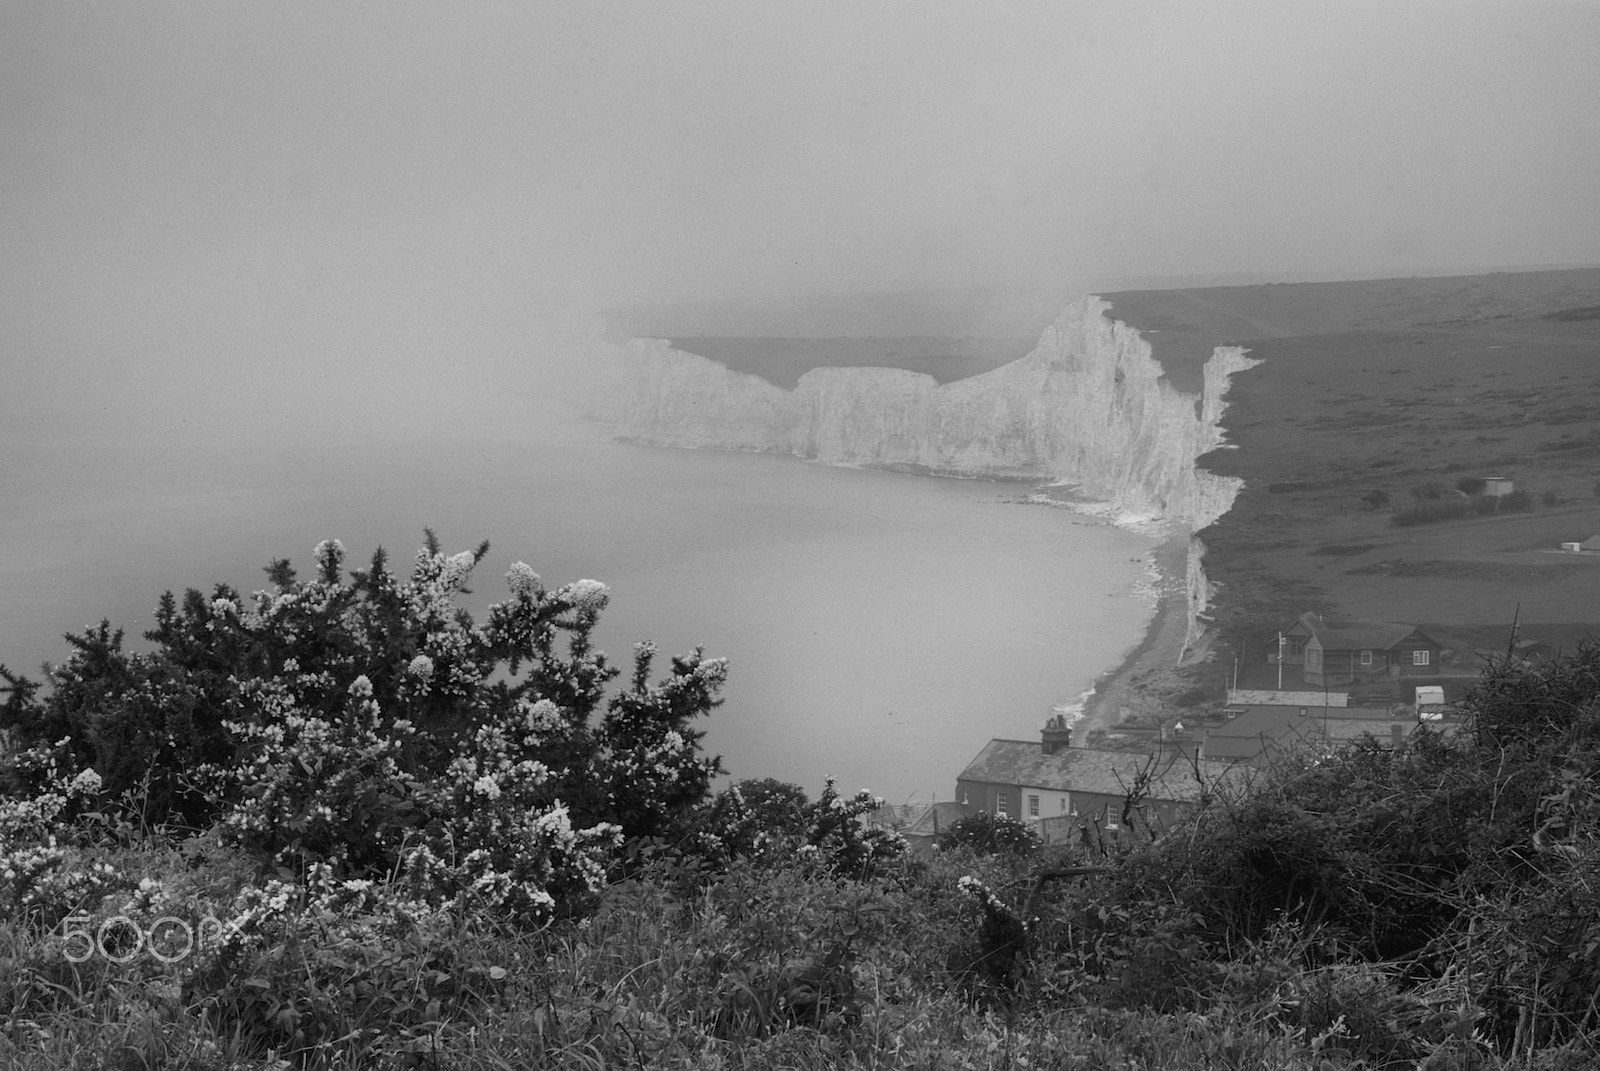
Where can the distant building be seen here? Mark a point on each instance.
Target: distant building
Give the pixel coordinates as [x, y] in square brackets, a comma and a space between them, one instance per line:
[1066, 790]
[1497, 486]
[1360, 652]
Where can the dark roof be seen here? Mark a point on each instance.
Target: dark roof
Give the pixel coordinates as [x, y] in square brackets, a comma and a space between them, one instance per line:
[1262, 727]
[1076, 769]
[1357, 635]
[948, 814]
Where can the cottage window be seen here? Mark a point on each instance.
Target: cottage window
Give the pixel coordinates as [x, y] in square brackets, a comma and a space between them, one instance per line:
[1366, 658]
[1033, 806]
[1111, 818]
[1420, 658]
[1002, 804]
[1063, 805]
[1313, 656]
[1297, 646]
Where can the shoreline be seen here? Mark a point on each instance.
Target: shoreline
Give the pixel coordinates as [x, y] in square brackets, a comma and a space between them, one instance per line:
[1161, 647]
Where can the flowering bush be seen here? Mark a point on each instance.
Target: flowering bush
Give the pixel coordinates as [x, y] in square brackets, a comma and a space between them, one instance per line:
[989, 833]
[364, 726]
[775, 823]
[40, 876]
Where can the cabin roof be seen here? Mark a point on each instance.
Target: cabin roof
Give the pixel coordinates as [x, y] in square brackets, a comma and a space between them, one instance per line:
[1073, 769]
[1357, 635]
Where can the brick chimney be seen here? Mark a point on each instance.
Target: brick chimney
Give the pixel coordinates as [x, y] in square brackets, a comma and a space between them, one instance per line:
[1056, 734]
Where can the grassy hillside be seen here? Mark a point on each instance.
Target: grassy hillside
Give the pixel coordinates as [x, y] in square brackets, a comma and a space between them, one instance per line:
[1375, 397]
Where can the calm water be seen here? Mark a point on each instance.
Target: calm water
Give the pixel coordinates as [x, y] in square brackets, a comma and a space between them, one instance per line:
[880, 627]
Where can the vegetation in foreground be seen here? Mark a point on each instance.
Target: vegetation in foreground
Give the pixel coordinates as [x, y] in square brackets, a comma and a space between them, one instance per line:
[343, 825]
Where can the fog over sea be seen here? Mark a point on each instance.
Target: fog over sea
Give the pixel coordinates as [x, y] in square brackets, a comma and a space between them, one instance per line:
[880, 627]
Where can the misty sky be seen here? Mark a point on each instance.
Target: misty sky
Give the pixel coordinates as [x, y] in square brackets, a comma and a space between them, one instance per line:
[223, 204]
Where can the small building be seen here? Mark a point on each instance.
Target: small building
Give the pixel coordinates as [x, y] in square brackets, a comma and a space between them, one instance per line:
[1061, 787]
[1497, 486]
[1362, 651]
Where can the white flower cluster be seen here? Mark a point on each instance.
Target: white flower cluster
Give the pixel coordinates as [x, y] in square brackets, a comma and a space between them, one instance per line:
[588, 597]
[329, 554]
[35, 872]
[435, 582]
[522, 580]
[983, 894]
[540, 718]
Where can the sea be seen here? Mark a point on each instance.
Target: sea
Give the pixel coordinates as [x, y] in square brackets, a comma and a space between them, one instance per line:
[880, 627]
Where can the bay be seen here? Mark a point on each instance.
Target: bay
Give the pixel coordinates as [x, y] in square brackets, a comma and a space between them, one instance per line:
[880, 627]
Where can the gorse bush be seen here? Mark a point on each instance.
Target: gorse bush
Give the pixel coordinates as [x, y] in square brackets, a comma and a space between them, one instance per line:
[360, 726]
[987, 833]
[771, 822]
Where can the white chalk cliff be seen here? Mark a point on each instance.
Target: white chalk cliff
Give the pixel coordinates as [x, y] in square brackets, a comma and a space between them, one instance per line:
[1088, 406]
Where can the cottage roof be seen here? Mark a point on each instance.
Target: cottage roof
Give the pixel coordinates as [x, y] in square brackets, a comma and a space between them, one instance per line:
[1074, 769]
[1357, 635]
[936, 817]
[1261, 727]
[1592, 543]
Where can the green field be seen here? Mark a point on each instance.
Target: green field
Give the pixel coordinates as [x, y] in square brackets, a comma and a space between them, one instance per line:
[1371, 394]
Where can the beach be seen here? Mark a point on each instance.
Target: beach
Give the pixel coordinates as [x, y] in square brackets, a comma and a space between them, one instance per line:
[1123, 690]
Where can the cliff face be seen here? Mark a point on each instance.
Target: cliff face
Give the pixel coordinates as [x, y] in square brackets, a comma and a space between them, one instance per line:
[1088, 406]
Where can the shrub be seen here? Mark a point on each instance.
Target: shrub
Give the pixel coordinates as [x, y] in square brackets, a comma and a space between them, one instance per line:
[988, 834]
[1428, 512]
[1471, 485]
[777, 825]
[1431, 490]
[780, 806]
[1552, 498]
[1376, 499]
[1519, 501]
[43, 876]
[368, 727]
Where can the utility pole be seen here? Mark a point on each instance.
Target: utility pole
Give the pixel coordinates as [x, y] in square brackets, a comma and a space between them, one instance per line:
[1280, 661]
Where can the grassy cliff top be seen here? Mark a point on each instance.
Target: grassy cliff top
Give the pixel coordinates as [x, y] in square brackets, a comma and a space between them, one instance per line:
[1381, 397]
